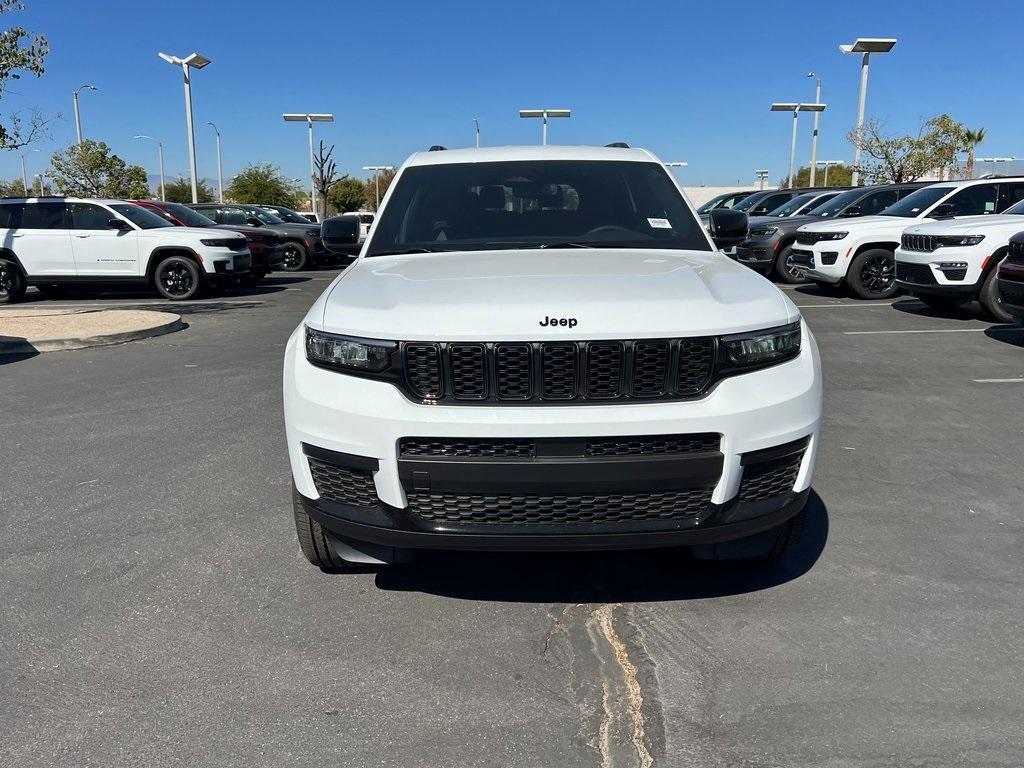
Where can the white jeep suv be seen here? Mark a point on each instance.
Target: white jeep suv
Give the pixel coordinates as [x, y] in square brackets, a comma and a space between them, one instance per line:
[52, 242]
[948, 263]
[861, 252]
[541, 348]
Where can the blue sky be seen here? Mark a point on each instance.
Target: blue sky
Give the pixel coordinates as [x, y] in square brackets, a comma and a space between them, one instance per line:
[691, 81]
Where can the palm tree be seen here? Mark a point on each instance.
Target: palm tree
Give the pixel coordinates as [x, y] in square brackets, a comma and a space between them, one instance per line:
[972, 138]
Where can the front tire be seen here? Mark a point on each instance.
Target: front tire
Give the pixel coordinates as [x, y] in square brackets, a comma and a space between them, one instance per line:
[177, 278]
[315, 543]
[295, 258]
[990, 299]
[12, 283]
[784, 270]
[872, 274]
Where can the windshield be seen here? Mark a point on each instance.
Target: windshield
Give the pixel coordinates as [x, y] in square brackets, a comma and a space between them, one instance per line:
[914, 204]
[1017, 209]
[749, 202]
[837, 204]
[523, 204]
[263, 215]
[186, 215]
[715, 201]
[287, 214]
[139, 216]
[794, 205]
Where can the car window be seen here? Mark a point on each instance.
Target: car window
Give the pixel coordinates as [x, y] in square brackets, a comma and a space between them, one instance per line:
[88, 216]
[976, 200]
[234, 216]
[1013, 193]
[516, 204]
[141, 217]
[837, 204]
[41, 216]
[877, 202]
[187, 216]
[769, 203]
[790, 207]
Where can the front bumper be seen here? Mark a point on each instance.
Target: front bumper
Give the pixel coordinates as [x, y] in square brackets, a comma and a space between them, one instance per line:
[1011, 288]
[756, 254]
[919, 273]
[331, 415]
[267, 258]
[824, 262]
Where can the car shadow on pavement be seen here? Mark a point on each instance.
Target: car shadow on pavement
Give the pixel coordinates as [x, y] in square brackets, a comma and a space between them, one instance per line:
[965, 312]
[14, 349]
[1008, 334]
[602, 577]
[821, 290]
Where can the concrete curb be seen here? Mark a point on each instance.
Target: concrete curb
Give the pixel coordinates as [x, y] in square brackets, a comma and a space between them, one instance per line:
[26, 346]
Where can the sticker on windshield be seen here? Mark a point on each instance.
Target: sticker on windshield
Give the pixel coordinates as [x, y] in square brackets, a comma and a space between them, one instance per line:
[660, 223]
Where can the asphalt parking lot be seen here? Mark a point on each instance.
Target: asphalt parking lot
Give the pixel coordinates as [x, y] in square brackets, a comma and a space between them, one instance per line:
[157, 610]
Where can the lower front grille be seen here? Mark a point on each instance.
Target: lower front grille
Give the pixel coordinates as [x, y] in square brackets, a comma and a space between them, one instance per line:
[343, 485]
[919, 274]
[530, 448]
[1015, 254]
[1011, 292]
[770, 478]
[541, 510]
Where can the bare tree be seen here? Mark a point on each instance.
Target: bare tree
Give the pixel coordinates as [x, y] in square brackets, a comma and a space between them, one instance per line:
[20, 51]
[325, 176]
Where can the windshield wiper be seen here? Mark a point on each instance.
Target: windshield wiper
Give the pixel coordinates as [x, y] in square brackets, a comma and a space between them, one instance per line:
[564, 245]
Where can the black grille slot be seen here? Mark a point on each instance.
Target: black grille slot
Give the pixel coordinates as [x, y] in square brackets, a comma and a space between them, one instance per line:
[920, 274]
[342, 484]
[564, 510]
[468, 447]
[1011, 292]
[1016, 252]
[468, 371]
[650, 368]
[604, 370]
[559, 371]
[423, 369]
[922, 243]
[512, 370]
[648, 445]
[696, 358]
[768, 479]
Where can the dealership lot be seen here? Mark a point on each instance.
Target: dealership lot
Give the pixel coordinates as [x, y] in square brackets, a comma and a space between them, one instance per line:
[157, 609]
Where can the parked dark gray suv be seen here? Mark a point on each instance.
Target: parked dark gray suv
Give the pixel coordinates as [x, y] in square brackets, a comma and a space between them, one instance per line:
[767, 247]
[302, 246]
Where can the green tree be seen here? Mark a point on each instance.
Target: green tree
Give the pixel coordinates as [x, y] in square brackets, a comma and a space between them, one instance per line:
[19, 52]
[90, 170]
[380, 181]
[262, 183]
[838, 176]
[12, 188]
[972, 138]
[180, 191]
[894, 159]
[346, 195]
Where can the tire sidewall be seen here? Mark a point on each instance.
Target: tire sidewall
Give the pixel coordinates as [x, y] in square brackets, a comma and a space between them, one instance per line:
[782, 272]
[857, 265]
[190, 265]
[990, 300]
[17, 283]
[303, 259]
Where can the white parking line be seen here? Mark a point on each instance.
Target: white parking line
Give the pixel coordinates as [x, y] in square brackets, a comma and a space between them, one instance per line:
[998, 381]
[926, 330]
[828, 306]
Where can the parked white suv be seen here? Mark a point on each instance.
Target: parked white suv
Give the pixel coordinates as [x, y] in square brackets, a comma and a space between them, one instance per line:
[948, 263]
[541, 348]
[52, 242]
[861, 252]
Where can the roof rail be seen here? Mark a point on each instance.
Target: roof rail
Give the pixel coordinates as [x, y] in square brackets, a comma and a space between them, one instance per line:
[618, 145]
[437, 148]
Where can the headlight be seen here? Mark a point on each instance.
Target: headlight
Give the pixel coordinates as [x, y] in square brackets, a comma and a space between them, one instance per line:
[831, 235]
[951, 241]
[764, 232]
[343, 352]
[220, 243]
[747, 351]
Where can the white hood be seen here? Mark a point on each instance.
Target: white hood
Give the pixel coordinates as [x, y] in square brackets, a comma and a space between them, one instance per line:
[971, 225]
[858, 227]
[505, 295]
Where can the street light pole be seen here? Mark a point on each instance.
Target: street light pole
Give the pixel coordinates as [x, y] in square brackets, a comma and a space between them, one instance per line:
[865, 46]
[476, 124]
[192, 61]
[761, 175]
[220, 170]
[544, 114]
[795, 108]
[309, 119]
[995, 160]
[828, 164]
[814, 135]
[376, 180]
[160, 154]
[78, 117]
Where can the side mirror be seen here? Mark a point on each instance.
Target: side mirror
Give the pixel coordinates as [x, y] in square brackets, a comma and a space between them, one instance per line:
[252, 221]
[853, 210]
[944, 211]
[340, 233]
[119, 224]
[727, 227]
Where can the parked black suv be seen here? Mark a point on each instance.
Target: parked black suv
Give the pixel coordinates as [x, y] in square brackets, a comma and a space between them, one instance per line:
[302, 245]
[725, 200]
[767, 248]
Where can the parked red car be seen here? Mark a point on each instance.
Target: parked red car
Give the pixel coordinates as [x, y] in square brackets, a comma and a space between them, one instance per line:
[265, 247]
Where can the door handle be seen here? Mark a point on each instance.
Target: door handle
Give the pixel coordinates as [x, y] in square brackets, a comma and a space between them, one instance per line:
[82, 235]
